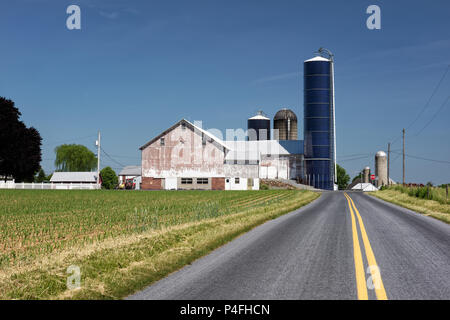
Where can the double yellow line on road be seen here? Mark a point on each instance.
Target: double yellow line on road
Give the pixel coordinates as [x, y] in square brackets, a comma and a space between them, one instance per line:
[359, 265]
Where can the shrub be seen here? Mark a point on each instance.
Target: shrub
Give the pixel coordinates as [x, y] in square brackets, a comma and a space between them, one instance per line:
[109, 178]
[263, 186]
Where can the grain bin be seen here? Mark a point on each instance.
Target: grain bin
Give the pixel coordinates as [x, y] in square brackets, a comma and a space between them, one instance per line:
[258, 127]
[285, 121]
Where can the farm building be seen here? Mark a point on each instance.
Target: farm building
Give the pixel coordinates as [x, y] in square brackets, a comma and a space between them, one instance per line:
[131, 172]
[187, 157]
[74, 177]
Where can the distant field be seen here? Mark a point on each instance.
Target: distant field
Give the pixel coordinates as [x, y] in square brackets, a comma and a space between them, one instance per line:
[121, 241]
[415, 199]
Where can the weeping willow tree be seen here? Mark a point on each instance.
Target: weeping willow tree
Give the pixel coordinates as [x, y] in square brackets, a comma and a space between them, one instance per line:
[74, 157]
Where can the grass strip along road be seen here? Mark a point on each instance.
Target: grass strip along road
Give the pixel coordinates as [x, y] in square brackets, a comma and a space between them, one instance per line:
[375, 280]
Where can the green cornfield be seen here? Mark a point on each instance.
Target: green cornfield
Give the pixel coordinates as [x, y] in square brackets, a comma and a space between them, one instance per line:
[40, 222]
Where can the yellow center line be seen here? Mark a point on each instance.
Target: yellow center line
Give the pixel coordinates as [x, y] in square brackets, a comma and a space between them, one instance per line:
[359, 266]
[374, 269]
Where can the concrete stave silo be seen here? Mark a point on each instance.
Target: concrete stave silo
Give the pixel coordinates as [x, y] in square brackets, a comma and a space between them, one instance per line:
[285, 125]
[319, 131]
[381, 168]
[366, 173]
[258, 127]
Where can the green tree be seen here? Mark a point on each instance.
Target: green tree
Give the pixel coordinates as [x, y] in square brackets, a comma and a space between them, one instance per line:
[359, 175]
[41, 177]
[74, 157]
[109, 178]
[20, 146]
[342, 177]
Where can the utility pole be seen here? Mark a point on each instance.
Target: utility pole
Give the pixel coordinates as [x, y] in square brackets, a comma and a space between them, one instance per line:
[403, 156]
[98, 158]
[389, 156]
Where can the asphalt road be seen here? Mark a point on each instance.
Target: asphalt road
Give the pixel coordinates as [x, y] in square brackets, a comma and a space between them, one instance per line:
[323, 251]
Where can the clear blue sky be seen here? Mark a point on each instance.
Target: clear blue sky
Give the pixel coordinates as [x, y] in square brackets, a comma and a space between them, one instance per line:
[136, 67]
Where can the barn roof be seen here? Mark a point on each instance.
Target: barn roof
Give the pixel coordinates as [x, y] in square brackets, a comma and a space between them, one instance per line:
[253, 150]
[192, 126]
[131, 171]
[74, 177]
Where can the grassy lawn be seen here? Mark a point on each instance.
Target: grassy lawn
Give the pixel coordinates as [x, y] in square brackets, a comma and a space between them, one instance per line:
[416, 200]
[120, 241]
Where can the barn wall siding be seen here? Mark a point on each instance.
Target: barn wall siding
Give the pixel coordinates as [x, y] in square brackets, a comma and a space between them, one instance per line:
[182, 155]
[218, 183]
[149, 183]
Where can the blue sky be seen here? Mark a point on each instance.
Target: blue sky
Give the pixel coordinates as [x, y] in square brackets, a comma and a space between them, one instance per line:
[136, 67]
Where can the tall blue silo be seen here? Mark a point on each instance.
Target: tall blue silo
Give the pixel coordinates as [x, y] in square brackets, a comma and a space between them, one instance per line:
[319, 126]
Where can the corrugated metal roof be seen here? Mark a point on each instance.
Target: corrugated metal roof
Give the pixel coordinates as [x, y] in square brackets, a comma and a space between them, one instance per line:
[74, 177]
[252, 150]
[131, 171]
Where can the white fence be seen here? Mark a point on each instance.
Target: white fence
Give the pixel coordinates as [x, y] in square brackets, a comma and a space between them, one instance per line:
[48, 186]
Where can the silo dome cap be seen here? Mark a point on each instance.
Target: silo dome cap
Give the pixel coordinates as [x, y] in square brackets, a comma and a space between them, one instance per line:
[317, 58]
[284, 114]
[367, 168]
[380, 154]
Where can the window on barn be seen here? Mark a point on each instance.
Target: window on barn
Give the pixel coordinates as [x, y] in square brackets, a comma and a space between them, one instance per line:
[183, 126]
[162, 141]
[203, 139]
[202, 180]
[236, 180]
[186, 180]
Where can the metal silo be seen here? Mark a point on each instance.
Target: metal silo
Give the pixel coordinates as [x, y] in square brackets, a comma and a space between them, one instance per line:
[285, 121]
[319, 123]
[258, 127]
[381, 168]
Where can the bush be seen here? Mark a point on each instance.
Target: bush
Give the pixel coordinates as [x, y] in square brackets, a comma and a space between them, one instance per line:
[109, 178]
[434, 193]
[263, 186]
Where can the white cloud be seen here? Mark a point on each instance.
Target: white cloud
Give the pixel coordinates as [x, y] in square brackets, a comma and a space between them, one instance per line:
[109, 15]
[277, 77]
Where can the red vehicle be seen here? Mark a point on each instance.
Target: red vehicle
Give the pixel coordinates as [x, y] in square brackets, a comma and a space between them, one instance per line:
[130, 184]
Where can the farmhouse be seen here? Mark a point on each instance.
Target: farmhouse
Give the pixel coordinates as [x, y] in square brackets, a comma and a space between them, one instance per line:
[187, 157]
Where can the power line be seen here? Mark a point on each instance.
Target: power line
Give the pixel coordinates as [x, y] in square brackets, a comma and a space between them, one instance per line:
[426, 105]
[112, 159]
[351, 159]
[427, 159]
[431, 97]
[116, 156]
[354, 155]
[434, 116]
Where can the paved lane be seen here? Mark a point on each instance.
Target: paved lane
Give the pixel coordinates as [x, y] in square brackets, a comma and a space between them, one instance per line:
[310, 254]
[412, 250]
